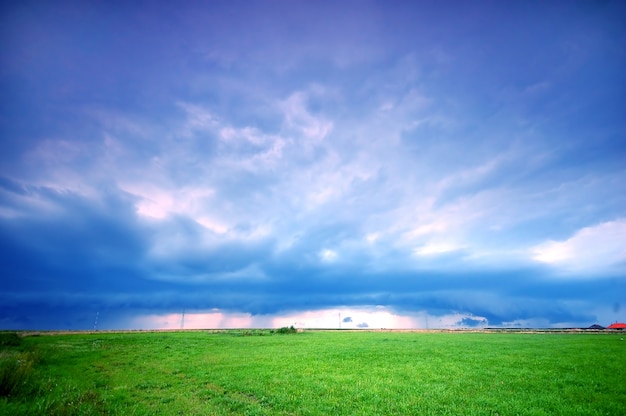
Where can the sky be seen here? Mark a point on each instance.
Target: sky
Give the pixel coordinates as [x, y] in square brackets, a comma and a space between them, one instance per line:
[353, 164]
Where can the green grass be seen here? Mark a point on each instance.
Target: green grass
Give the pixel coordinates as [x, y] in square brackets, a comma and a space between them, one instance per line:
[317, 373]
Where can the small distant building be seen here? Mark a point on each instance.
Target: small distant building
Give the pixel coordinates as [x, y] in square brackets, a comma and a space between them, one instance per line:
[596, 326]
[617, 325]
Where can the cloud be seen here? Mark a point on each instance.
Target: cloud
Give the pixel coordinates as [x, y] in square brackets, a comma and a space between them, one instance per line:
[435, 249]
[472, 322]
[312, 128]
[256, 174]
[590, 251]
[327, 255]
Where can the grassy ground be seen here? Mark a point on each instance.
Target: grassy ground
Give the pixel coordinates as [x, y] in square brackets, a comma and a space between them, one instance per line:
[314, 373]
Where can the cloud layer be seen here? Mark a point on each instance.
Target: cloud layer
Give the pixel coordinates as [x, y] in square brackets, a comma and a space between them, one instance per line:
[272, 163]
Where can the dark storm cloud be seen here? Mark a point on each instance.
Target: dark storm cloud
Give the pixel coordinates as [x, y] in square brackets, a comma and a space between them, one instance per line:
[430, 162]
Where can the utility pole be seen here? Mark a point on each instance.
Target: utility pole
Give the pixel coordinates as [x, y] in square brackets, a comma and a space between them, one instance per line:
[182, 320]
[95, 324]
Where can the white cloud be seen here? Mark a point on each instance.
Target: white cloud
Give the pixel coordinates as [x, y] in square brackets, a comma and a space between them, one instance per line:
[371, 238]
[298, 117]
[328, 255]
[212, 225]
[428, 228]
[374, 317]
[198, 119]
[158, 202]
[596, 249]
[436, 248]
[268, 149]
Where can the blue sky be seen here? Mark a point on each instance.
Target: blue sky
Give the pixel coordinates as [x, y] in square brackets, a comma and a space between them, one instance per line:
[363, 164]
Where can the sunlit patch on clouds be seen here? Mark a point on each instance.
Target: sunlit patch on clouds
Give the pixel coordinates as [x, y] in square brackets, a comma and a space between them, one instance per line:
[372, 237]
[436, 248]
[338, 318]
[591, 250]
[328, 255]
[208, 320]
[371, 317]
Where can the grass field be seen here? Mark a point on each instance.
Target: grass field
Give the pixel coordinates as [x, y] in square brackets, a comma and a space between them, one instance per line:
[314, 373]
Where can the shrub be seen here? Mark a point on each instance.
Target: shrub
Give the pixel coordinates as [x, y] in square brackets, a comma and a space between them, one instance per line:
[10, 339]
[286, 330]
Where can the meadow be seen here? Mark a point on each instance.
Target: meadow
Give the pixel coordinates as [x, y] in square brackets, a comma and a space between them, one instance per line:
[259, 372]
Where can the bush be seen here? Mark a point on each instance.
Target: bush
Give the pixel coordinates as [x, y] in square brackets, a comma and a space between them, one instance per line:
[286, 330]
[10, 339]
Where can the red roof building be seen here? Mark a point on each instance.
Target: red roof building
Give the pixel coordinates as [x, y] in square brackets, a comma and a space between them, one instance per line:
[617, 325]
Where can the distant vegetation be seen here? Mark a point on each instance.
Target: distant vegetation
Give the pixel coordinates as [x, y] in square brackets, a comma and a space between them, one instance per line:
[9, 339]
[314, 373]
[287, 330]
